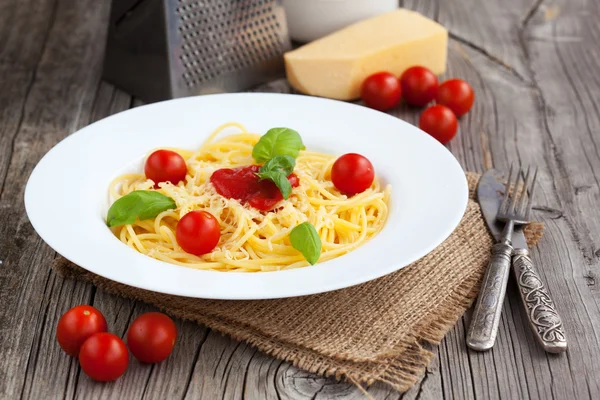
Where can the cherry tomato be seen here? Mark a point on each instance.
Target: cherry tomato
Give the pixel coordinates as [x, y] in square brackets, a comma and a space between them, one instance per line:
[104, 357]
[78, 324]
[151, 337]
[457, 95]
[381, 91]
[165, 166]
[352, 173]
[419, 86]
[440, 122]
[198, 232]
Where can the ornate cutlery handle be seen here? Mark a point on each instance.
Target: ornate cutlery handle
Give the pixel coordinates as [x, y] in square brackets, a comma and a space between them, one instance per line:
[486, 316]
[544, 319]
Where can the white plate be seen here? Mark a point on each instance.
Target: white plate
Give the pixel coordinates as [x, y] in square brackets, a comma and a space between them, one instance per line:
[67, 194]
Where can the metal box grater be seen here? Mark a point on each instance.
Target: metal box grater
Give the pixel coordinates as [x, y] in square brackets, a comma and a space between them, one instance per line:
[163, 49]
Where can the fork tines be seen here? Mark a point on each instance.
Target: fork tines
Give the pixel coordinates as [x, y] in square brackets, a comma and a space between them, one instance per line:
[516, 203]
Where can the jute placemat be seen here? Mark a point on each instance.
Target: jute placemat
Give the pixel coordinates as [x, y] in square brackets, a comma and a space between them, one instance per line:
[366, 333]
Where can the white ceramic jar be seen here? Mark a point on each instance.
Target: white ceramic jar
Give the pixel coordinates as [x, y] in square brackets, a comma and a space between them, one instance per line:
[311, 19]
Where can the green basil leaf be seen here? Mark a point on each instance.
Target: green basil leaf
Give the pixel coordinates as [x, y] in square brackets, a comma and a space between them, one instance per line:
[284, 164]
[277, 169]
[142, 204]
[306, 240]
[280, 179]
[277, 142]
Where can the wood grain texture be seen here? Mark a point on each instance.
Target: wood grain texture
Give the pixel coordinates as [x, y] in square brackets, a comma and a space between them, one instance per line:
[62, 66]
[533, 65]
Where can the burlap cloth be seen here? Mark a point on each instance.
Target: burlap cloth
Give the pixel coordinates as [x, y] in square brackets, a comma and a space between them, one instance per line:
[366, 333]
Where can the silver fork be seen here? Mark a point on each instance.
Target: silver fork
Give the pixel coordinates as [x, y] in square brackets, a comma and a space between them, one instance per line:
[514, 210]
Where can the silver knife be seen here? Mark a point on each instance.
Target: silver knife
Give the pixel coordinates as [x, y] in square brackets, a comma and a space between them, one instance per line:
[545, 321]
[483, 328]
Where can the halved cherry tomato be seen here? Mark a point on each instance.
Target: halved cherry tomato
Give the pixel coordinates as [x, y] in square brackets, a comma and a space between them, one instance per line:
[440, 122]
[457, 95]
[381, 91]
[352, 173]
[78, 324]
[165, 166]
[151, 337]
[419, 86]
[104, 357]
[198, 232]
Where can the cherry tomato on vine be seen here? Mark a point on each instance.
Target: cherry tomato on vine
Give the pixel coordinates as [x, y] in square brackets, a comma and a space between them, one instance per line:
[78, 324]
[352, 173]
[419, 86]
[457, 95]
[151, 337]
[165, 166]
[381, 91]
[104, 357]
[440, 122]
[198, 232]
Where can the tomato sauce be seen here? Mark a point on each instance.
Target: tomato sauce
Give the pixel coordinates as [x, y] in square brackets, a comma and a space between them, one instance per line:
[242, 184]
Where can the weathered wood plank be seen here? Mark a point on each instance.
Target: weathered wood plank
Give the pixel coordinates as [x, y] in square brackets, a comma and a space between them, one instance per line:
[533, 69]
[19, 50]
[55, 371]
[261, 378]
[562, 47]
[163, 380]
[518, 128]
[49, 369]
[220, 369]
[140, 381]
[19, 57]
[171, 379]
[430, 386]
[57, 101]
[503, 101]
[507, 114]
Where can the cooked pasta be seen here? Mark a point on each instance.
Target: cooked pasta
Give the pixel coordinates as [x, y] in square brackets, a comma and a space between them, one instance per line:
[253, 240]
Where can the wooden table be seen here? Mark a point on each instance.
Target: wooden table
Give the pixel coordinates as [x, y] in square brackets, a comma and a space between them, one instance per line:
[534, 66]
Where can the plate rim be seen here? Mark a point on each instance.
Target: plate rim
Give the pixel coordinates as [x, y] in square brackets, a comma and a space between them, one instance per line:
[443, 235]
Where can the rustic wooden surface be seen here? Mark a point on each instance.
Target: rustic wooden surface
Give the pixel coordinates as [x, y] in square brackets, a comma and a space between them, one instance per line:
[534, 66]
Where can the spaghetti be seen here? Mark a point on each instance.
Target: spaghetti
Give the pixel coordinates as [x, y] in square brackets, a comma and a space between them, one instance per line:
[251, 240]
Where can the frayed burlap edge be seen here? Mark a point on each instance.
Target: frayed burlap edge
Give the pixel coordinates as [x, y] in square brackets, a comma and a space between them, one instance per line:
[401, 370]
[401, 367]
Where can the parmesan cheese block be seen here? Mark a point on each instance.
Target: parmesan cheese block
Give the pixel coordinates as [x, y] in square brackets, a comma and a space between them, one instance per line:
[336, 65]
